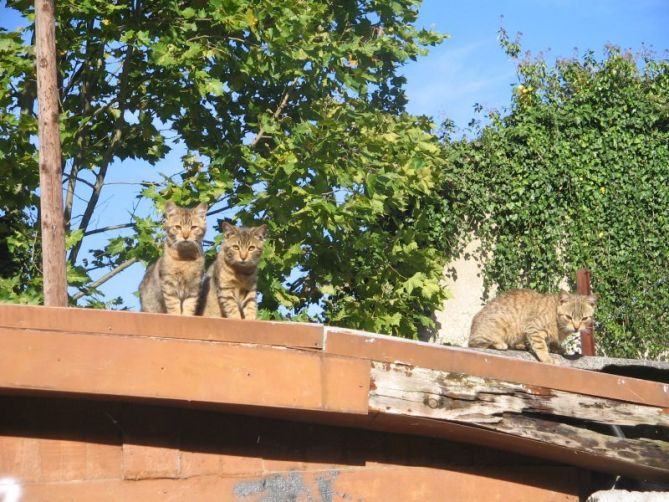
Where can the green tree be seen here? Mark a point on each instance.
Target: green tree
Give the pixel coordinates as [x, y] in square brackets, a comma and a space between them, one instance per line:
[577, 175]
[291, 111]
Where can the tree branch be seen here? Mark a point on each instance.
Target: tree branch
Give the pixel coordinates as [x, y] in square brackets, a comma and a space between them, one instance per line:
[107, 229]
[84, 291]
[219, 210]
[108, 155]
[84, 109]
[80, 180]
[275, 115]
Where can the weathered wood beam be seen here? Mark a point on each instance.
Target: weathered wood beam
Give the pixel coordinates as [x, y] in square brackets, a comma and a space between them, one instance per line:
[494, 364]
[649, 452]
[513, 409]
[467, 398]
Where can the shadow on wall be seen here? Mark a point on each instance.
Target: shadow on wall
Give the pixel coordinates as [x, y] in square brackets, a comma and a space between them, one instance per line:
[269, 456]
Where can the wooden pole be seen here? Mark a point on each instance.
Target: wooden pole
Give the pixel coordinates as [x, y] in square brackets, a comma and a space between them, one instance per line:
[583, 288]
[50, 168]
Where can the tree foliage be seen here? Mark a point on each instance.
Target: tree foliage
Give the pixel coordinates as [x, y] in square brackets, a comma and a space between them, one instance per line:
[291, 112]
[577, 175]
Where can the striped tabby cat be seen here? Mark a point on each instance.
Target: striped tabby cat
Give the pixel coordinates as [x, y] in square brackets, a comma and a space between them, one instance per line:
[229, 288]
[172, 284]
[526, 320]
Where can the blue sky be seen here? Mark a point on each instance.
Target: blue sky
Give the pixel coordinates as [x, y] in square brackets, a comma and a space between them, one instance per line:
[468, 68]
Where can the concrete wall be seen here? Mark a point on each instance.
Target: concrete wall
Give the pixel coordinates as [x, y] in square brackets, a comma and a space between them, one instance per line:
[454, 319]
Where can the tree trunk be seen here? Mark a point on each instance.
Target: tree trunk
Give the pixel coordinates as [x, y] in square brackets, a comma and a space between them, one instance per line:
[51, 193]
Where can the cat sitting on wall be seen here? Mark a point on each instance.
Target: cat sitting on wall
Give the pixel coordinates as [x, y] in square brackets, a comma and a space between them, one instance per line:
[523, 319]
[172, 284]
[229, 287]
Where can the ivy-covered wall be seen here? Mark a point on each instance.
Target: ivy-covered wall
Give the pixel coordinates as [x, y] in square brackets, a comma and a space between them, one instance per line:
[577, 175]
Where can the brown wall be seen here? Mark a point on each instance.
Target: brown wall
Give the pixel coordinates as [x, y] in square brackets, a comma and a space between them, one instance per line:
[76, 449]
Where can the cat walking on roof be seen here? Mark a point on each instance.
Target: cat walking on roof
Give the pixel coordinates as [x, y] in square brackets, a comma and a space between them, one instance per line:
[229, 287]
[523, 319]
[172, 284]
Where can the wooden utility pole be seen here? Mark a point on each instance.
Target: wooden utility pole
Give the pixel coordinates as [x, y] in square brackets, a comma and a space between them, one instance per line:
[50, 167]
[583, 288]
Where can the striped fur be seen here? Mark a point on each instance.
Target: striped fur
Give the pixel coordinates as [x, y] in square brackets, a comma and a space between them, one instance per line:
[229, 287]
[526, 320]
[172, 284]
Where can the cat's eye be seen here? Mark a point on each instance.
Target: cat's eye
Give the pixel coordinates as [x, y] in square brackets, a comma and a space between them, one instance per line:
[568, 316]
[235, 247]
[177, 227]
[585, 318]
[251, 248]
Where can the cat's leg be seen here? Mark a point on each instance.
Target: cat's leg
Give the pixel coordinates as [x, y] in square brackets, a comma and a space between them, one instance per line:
[171, 298]
[189, 305]
[228, 303]
[536, 341]
[172, 303]
[250, 307]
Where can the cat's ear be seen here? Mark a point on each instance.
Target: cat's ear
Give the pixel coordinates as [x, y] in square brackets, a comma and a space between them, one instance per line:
[592, 299]
[228, 229]
[170, 208]
[563, 296]
[260, 231]
[201, 209]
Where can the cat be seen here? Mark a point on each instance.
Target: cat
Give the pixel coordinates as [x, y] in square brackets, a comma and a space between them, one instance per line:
[172, 284]
[229, 287]
[523, 319]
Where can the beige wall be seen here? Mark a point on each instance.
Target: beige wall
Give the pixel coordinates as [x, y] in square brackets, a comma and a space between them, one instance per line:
[454, 319]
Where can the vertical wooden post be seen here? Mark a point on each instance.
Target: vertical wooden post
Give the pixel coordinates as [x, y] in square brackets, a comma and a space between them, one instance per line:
[583, 288]
[50, 168]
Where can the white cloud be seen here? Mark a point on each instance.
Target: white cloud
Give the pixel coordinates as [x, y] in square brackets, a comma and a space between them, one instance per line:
[449, 81]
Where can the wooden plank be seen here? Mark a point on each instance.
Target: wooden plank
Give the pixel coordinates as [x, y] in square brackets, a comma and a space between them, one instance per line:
[50, 168]
[181, 370]
[141, 324]
[466, 398]
[375, 482]
[499, 406]
[392, 350]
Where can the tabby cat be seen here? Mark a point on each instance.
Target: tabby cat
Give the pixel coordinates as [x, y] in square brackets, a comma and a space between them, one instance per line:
[172, 284]
[524, 319]
[229, 287]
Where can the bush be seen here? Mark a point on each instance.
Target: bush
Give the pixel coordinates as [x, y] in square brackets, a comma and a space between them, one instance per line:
[577, 175]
